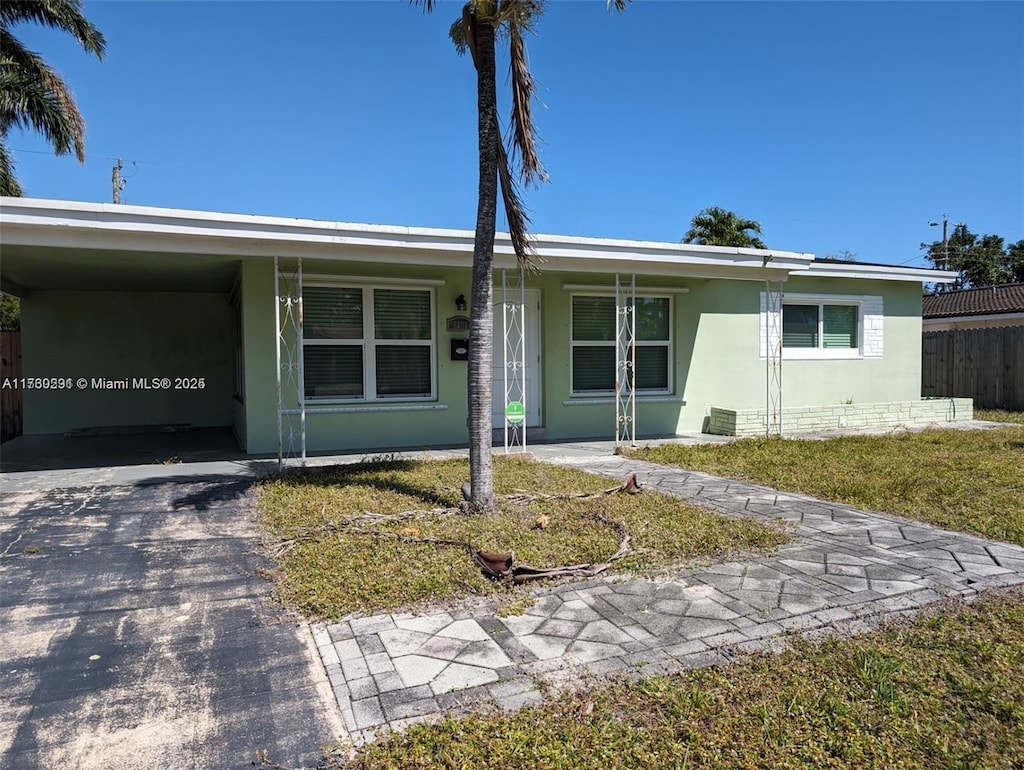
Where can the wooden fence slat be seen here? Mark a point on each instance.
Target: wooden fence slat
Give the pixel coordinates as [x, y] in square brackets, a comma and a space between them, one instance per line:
[10, 397]
[984, 364]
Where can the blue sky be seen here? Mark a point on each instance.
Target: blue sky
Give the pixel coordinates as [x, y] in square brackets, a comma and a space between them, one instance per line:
[837, 125]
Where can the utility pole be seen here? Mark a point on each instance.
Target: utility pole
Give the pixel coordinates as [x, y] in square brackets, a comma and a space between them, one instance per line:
[117, 181]
[945, 238]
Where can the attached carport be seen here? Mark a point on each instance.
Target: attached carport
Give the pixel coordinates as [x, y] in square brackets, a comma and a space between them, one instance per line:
[118, 339]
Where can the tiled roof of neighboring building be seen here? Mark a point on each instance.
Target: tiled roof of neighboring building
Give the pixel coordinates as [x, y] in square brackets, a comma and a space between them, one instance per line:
[988, 300]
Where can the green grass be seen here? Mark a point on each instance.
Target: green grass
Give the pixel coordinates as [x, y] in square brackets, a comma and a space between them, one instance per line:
[327, 574]
[964, 480]
[946, 692]
[998, 415]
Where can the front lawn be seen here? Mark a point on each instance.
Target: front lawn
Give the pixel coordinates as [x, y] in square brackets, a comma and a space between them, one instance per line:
[964, 480]
[326, 569]
[998, 415]
[944, 692]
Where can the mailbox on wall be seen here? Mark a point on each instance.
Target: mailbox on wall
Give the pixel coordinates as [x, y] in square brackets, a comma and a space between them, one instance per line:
[460, 350]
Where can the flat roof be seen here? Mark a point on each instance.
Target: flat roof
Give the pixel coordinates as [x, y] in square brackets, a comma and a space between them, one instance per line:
[87, 228]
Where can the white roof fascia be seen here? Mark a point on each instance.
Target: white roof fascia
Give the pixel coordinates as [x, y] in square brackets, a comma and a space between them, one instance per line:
[141, 228]
[878, 272]
[29, 221]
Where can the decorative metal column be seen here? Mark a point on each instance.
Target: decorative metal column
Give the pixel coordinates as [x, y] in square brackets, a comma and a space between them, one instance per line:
[291, 421]
[513, 326]
[773, 358]
[625, 361]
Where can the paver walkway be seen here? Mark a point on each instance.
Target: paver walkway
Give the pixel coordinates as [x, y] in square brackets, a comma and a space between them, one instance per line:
[845, 568]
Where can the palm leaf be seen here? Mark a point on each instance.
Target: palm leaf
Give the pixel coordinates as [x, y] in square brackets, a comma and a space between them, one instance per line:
[522, 135]
[8, 182]
[515, 213]
[35, 97]
[65, 15]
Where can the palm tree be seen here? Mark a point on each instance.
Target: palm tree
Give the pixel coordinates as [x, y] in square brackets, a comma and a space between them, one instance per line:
[715, 226]
[32, 94]
[476, 31]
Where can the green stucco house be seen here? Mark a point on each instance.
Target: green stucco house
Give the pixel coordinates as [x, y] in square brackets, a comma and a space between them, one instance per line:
[352, 337]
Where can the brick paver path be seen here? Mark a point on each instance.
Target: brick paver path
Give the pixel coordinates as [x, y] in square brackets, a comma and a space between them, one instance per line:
[845, 569]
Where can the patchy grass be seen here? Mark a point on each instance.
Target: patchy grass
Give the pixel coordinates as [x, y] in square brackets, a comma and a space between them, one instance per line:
[998, 415]
[964, 480]
[332, 573]
[944, 692]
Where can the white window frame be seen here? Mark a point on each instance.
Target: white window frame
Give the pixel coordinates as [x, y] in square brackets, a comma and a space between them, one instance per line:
[821, 352]
[369, 343]
[669, 344]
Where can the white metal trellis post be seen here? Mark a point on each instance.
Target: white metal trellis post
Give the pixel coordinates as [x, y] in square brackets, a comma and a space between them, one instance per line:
[277, 364]
[288, 361]
[773, 358]
[513, 317]
[625, 361]
[301, 384]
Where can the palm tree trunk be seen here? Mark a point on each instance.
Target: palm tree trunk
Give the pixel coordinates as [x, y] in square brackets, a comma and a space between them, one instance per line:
[481, 318]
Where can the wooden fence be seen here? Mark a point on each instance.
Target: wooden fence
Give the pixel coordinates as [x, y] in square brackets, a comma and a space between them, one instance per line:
[984, 364]
[10, 397]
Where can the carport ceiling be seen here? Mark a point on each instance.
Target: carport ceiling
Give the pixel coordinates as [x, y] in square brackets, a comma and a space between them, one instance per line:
[61, 269]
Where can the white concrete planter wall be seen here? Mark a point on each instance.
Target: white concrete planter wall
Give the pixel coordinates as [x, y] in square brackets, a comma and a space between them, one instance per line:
[806, 419]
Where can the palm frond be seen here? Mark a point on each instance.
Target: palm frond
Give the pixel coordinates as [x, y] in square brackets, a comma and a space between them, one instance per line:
[35, 97]
[619, 5]
[65, 15]
[426, 5]
[458, 34]
[521, 128]
[8, 182]
[515, 213]
[520, 14]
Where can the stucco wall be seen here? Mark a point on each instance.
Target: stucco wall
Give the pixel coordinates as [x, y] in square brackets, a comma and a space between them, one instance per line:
[716, 362]
[360, 426]
[119, 335]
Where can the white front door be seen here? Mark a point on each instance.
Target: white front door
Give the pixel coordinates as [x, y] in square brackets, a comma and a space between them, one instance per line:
[532, 356]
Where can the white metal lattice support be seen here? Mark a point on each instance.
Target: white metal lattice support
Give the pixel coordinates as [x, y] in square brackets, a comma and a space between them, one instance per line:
[625, 361]
[291, 386]
[513, 322]
[773, 358]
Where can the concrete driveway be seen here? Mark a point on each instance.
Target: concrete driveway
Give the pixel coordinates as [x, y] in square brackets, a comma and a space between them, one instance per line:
[136, 631]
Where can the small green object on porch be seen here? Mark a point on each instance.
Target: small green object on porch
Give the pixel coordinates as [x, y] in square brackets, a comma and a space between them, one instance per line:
[515, 412]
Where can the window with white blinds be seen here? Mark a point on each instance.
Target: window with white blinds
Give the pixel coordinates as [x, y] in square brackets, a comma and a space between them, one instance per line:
[820, 326]
[593, 344]
[368, 343]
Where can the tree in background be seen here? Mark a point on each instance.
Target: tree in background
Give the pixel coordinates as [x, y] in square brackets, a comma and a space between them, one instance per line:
[716, 226]
[1015, 254]
[842, 255]
[476, 31]
[10, 313]
[982, 260]
[32, 95]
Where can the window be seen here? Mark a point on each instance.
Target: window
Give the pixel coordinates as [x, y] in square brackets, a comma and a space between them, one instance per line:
[593, 344]
[368, 343]
[824, 326]
[820, 326]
